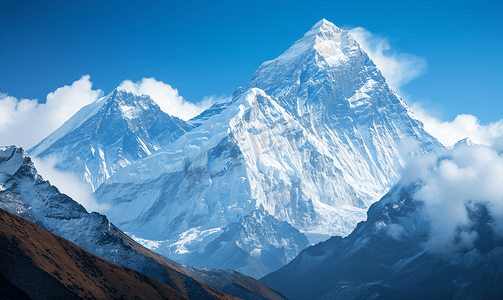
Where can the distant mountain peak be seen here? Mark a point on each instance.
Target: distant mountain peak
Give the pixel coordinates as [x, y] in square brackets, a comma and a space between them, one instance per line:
[109, 134]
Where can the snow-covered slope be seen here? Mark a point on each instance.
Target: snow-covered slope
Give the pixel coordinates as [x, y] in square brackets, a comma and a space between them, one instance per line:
[397, 253]
[109, 134]
[314, 139]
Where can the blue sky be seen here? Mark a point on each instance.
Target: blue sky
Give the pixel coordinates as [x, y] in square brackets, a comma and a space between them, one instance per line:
[205, 48]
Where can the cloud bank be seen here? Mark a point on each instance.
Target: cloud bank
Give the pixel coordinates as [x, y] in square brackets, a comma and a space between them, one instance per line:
[397, 68]
[25, 122]
[167, 97]
[452, 184]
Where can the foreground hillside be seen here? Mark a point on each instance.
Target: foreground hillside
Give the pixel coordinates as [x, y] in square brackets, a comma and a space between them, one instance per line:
[36, 264]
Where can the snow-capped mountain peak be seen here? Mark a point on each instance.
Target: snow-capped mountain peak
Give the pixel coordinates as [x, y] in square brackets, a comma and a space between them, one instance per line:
[327, 65]
[325, 49]
[109, 134]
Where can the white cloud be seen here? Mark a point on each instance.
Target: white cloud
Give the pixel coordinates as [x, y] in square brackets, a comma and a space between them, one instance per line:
[26, 122]
[452, 184]
[463, 126]
[397, 68]
[69, 184]
[167, 97]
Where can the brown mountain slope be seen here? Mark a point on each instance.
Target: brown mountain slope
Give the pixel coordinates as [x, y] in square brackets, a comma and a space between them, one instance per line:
[45, 266]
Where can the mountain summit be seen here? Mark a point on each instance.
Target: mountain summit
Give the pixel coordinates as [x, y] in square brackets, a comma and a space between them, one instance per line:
[331, 86]
[326, 57]
[109, 134]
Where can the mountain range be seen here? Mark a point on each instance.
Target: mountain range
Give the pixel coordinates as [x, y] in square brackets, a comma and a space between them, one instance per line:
[298, 180]
[312, 140]
[292, 158]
